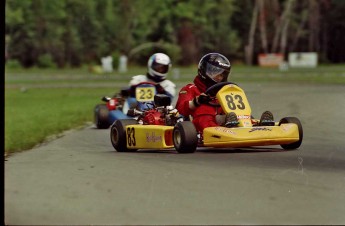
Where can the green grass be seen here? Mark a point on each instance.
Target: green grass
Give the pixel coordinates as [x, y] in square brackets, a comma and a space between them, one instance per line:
[35, 114]
[41, 103]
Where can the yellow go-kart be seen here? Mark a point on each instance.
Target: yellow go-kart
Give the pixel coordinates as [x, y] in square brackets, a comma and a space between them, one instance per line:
[287, 133]
[151, 128]
[165, 129]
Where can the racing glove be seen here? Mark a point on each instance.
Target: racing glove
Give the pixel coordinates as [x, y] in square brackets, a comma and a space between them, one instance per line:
[201, 99]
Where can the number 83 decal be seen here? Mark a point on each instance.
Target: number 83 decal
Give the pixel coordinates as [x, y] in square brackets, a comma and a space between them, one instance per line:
[131, 136]
[234, 102]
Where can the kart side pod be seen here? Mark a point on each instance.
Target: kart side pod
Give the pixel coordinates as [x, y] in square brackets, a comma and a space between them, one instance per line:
[288, 134]
[251, 136]
[127, 135]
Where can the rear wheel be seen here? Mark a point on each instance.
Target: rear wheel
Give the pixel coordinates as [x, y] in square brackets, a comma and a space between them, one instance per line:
[118, 134]
[185, 137]
[296, 121]
[101, 115]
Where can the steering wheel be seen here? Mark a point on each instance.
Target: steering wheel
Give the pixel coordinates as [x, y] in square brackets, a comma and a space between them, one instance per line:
[213, 90]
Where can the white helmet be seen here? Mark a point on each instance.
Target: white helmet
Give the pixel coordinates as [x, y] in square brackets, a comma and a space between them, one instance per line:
[158, 66]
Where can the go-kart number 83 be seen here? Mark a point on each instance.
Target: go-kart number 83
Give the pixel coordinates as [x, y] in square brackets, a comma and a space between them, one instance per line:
[233, 102]
[131, 136]
[145, 93]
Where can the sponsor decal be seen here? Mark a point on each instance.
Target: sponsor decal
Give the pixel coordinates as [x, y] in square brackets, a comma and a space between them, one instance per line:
[246, 123]
[260, 129]
[243, 116]
[224, 65]
[216, 136]
[183, 92]
[153, 138]
[224, 130]
[286, 127]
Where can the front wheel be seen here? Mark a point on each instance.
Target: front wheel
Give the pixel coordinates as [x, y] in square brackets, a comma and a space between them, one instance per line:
[101, 115]
[296, 121]
[118, 134]
[185, 137]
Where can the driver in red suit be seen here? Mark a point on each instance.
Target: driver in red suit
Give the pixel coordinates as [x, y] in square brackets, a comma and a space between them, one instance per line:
[192, 101]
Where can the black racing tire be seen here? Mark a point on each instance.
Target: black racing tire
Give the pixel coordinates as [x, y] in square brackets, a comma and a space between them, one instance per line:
[296, 121]
[185, 137]
[101, 116]
[118, 136]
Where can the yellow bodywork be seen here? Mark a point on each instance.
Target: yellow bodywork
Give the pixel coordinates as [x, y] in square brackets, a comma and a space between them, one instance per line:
[233, 99]
[149, 136]
[250, 136]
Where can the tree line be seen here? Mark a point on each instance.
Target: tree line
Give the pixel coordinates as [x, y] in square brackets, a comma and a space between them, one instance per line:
[71, 33]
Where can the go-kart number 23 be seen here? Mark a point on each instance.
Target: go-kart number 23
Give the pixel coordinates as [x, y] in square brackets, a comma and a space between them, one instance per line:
[131, 136]
[234, 102]
[145, 94]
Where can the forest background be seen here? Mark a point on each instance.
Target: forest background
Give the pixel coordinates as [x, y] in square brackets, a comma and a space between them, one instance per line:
[72, 33]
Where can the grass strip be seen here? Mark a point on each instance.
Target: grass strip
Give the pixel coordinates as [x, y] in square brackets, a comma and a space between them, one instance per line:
[34, 114]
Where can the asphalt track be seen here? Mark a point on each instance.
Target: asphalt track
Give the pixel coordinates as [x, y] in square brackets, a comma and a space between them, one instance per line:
[80, 179]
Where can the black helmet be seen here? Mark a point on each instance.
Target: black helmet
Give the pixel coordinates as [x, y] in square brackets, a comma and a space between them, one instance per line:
[214, 68]
[158, 66]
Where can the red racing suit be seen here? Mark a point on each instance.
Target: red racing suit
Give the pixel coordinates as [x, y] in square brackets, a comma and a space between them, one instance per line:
[203, 115]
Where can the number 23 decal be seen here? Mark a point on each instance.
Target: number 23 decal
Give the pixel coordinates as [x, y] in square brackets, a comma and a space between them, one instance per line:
[234, 102]
[145, 94]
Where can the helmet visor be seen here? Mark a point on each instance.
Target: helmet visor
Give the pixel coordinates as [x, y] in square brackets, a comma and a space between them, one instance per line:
[217, 74]
[160, 68]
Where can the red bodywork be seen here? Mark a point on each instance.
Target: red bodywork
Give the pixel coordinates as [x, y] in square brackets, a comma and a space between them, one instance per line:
[153, 117]
[113, 103]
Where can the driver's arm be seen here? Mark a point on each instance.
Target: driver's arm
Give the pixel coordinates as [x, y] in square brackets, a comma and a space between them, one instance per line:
[187, 96]
[169, 88]
[198, 100]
